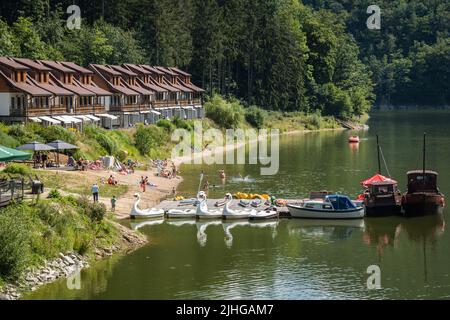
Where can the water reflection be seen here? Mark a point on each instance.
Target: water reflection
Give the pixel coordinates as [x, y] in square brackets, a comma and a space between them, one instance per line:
[227, 226]
[266, 224]
[181, 223]
[385, 232]
[146, 223]
[202, 237]
[328, 230]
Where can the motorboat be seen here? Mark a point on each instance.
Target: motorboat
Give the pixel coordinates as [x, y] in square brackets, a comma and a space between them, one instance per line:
[332, 207]
[423, 196]
[202, 209]
[231, 214]
[138, 213]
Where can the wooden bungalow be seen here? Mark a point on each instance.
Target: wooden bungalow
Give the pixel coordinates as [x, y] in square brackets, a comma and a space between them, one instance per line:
[21, 99]
[125, 102]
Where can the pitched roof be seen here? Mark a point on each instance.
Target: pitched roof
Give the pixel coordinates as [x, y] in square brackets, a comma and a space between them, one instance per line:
[8, 62]
[25, 87]
[123, 70]
[165, 70]
[152, 86]
[76, 67]
[97, 90]
[106, 69]
[51, 87]
[151, 69]
[31, 64]
[136, 68]
[180, 72]
[56, 66]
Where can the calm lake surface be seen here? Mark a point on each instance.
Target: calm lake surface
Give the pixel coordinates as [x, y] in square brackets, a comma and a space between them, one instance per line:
[295, 259]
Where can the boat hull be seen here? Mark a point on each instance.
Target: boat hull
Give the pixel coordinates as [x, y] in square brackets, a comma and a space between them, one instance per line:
[305, 213]
[147, 216]
[383, 210]
[423, 204]
[181, 215]
[236, 216]
[209, 216]
[264, 216]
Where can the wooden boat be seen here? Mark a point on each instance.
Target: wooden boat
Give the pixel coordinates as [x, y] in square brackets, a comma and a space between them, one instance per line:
[354, 139]
[382, 196]
[138, 213]
[423, 196]
[332, 207]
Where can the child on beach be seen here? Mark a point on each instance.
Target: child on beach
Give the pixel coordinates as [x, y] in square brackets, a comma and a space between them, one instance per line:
[113, 203]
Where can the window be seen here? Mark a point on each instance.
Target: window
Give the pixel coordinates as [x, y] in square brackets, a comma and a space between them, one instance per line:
[13, 102]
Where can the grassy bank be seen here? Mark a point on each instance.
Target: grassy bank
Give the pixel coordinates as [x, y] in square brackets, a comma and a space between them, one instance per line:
[31, 233]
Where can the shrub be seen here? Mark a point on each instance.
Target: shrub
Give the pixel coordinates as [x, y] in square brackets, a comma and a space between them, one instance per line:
[54, 194]
[14, 248]
[227, 114]
[17, 168]
[7, 140]
[52, 133]
[181, 123]
[22, 134]
[255, 116]
[95, 211]
[166, 124]
[149, 137]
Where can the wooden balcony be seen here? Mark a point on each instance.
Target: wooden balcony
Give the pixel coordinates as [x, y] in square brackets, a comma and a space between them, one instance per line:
[98, 108]
[125, 108]
[34, 111]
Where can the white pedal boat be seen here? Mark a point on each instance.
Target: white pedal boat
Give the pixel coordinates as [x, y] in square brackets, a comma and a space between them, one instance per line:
[332, 207]
[230, 214]
[203, 213]
[138, 213]
[181, 213]
[267, 214]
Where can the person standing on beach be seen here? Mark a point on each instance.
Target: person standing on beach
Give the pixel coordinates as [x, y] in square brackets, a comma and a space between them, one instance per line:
[113, 203]
[142, 183]
[95, 191]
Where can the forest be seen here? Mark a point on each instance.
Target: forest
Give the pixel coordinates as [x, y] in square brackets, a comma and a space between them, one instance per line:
[286, 55]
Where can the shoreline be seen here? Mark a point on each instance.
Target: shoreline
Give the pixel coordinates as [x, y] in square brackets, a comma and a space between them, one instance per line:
[130, 239]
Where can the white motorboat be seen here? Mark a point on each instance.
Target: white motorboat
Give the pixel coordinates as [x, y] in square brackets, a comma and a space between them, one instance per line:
[331, 207]
[201, 230]
[202, 209]
[230, 214]
[138, 213]
[227, 226]
[269, 213]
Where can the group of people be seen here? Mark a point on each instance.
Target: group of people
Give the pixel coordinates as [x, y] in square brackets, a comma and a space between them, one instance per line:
[40, 160]
[165, 169]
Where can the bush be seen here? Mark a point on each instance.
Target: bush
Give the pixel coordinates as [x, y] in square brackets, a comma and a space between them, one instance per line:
[17, 168]
[181, 123]
[255, 116]
[95, 211]
[227, 114]
[54, 194]
[52, 133]
[166, 124]
[21, 133]
[149, 137]
[7, 140]
[14, 248]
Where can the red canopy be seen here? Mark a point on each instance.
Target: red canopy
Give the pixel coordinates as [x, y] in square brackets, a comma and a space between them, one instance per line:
[377, 178]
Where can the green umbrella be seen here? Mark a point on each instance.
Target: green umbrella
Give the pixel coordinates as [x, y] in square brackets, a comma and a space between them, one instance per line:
[8, 154]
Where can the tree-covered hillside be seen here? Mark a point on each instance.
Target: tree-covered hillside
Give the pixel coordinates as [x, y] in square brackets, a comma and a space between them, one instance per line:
[277, 54]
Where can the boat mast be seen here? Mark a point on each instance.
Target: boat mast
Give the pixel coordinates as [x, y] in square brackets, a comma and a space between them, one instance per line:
[379, 160]
[424, 156]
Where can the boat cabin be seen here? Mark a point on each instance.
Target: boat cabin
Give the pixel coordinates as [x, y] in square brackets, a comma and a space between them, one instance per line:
[420, 182]
[382, 188]
[330, 202]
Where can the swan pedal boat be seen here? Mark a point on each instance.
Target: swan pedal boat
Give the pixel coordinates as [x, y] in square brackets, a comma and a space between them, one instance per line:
[138, 213]
[181, 213]
[332, 207]
[230, 214]
[203, 212]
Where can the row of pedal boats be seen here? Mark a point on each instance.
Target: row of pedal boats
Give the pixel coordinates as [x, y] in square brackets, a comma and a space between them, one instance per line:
[327, 207]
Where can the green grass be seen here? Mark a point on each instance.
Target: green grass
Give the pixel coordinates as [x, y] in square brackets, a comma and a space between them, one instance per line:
[31, 233]
[74, 184]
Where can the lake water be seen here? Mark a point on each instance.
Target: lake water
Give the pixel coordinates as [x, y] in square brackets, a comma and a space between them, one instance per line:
[295, 259]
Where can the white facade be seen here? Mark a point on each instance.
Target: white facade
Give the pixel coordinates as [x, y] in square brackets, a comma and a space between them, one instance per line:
[5, 102]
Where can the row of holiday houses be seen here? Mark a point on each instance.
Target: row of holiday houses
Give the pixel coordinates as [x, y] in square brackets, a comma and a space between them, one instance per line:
[64, 93]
